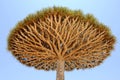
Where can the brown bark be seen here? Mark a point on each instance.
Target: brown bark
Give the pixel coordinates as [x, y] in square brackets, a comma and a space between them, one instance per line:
[60, 70]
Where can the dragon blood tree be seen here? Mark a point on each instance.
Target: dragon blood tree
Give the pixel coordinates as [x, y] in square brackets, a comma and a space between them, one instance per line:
[60, 39]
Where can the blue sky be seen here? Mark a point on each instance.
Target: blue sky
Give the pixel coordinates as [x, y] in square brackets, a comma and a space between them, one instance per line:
[12, 11]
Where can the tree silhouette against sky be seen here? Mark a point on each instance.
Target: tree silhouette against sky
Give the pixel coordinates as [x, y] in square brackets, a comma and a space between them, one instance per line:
[60, 39]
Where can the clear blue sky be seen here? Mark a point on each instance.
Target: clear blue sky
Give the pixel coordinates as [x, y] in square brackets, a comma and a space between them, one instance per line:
[12, 11]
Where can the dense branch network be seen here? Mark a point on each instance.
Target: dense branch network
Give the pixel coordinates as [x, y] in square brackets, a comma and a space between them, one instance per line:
[79, 43]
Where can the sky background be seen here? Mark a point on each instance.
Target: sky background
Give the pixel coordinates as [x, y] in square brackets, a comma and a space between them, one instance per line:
[12, 11]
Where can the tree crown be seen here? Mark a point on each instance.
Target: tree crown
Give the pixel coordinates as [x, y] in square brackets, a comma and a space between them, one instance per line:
[59, 33]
